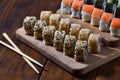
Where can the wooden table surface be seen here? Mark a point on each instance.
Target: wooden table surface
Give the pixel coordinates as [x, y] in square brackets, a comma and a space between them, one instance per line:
[12, 66]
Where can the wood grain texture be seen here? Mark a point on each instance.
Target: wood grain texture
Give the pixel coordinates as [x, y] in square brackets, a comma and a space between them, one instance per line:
[76, 68]
[106, 37]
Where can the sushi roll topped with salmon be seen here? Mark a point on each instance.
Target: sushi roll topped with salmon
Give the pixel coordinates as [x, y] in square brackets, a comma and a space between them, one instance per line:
[115, 24]
[97, 12]
[66, 6]
[76, 8]
[107, 17]
[87, 10]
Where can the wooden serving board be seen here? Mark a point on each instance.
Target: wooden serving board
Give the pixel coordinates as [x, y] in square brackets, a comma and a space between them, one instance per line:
[106, 37]
[77, 68]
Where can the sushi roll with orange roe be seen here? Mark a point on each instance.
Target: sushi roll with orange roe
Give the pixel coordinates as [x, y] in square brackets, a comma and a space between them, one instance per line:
[87, 10]
[115, 24]
[106, 17]
[97, 12]
[76, 8]
[66, 6]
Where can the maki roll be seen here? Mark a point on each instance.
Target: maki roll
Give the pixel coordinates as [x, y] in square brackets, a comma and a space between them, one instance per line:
[65, 6]
[106, 17]
[84, 34]
[94, 43]
[97, 12]
[69, 45]
[74, 29]
[76, 8]
[59, 40]
[48, 35]
[115, 24]
[87, 10]
[38, 28]
[64, 25]
[81, 51]
[28, 24]
[45, 15]
[54, 20]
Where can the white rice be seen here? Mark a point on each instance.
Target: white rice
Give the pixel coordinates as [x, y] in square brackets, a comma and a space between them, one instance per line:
[95, 22]
[114, 31]
[65, 9]
[103, 26]
[85, 16]
[75, 13]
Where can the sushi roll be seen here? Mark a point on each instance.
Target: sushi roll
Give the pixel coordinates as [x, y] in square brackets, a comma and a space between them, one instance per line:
[87, 10]
[28, 24]
[106, 17]
[59, 40]
[84, 34]
[69, 45]
[97, 12]
[64, 25]
[115, 24]
[76, 8]
[66, 6]
[94, 43]
[38, 28]
[81, 51]
[74, 29]
[48, 35]
[54, 20]
[45, 15]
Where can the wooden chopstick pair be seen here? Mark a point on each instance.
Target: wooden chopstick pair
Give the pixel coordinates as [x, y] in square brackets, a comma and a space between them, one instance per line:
[17, 50]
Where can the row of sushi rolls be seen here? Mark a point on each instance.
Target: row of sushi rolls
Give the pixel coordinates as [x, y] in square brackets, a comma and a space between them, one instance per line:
[71, 38]
[105, 14]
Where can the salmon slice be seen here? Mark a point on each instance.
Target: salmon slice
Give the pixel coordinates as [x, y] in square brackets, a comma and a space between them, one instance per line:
[88, 8]
[106, 17]
[77, 4]
[67, 2]
[115, 23]
[96, 13]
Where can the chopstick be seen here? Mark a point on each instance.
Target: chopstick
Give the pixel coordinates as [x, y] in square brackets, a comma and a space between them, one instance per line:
[14, 45]
[21, 53]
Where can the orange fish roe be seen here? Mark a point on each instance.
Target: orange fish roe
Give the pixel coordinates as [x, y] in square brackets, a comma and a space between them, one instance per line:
[88, 8]
[115, 23]
[96, 13]
[67, 2]
[106, 17]
[77, 4]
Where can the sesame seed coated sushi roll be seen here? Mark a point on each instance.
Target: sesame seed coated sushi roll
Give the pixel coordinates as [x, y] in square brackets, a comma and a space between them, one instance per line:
[84, 34]
[81, 51]
[48, 35]
[38, 28]
[115, 24]
[87, 10]
[97, 13]
[65, 6]
[59, 40]
[54, 20]
[64, 25]
[94, 43]
[45, 15]
[28, 24]
[106, 17]
[76, 8]
[74, 29]
[69, 45]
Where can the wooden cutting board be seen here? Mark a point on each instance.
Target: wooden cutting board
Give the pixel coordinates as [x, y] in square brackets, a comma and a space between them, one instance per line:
[106, 37]
[77, 68]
